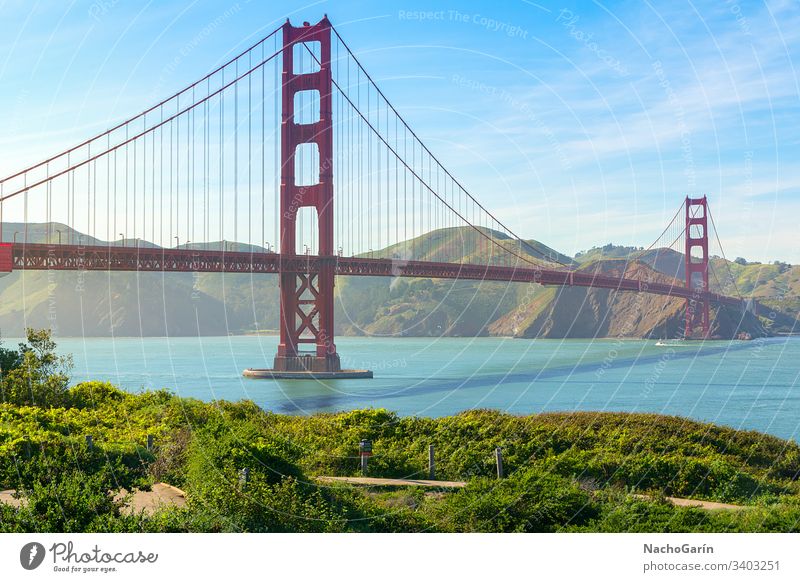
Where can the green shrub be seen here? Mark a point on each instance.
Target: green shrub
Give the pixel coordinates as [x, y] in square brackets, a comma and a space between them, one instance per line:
[63, 497]
[94, 394]
[531, 500]
[37, 376]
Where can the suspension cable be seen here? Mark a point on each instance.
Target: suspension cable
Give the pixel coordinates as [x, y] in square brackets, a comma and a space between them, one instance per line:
[430, 153]
[419, 177]
[722, 250]
[427, 186]
[142, 114]
[128, 140]
[648, 249]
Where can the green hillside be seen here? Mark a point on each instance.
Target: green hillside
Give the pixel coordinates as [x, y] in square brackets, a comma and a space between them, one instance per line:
[775, 285]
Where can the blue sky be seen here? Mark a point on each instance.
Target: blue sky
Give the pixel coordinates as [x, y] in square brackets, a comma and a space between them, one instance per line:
[578, 123]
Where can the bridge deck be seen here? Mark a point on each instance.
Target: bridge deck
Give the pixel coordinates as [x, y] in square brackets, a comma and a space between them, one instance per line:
[20, 256]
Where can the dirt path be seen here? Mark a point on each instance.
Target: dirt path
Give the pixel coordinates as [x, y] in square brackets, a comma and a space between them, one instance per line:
[163, 494]
[7, 496]
[160, 495]
[708, 505]
[393, 482]
[380, 482]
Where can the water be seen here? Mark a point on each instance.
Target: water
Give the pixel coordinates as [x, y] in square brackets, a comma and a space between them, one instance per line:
[751, 385]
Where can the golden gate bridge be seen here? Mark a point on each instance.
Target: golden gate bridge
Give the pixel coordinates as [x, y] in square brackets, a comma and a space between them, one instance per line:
[288, 159]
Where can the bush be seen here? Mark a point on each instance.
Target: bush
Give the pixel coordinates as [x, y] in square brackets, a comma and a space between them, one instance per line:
[63, 496]
[94, 394]
[530, 500]
[275, 496]
[38, 376]
[628, 514]
[171, 457]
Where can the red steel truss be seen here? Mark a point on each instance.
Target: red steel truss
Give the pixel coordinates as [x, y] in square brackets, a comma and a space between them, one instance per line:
[306, 267]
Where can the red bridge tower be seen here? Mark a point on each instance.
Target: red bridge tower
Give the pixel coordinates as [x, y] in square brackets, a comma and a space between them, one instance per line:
[696, 266]
[306, 314]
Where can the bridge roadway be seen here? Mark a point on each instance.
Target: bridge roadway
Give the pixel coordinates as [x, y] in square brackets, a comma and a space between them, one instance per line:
[21, 256]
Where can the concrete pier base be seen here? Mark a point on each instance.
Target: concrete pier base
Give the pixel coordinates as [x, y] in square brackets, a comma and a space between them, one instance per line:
[271, 374]
[306, 367]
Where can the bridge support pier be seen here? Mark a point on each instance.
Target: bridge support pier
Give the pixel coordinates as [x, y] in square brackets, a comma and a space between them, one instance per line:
[306, 316]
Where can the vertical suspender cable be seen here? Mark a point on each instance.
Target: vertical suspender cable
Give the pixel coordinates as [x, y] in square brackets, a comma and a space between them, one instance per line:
[222, 165]
[236, 158]
[161, 184]
[207, 169]
[114, 213]
[250, 152]
[127, 178]
[153, 189]
[360, 171]
[133, 236]
[369, 175]
[88, 191]
[388, 181]
[189, 171]
[276, 144]
[263, 153]
[108, 191]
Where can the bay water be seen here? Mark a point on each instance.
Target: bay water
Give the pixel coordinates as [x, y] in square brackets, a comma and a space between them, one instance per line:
[749, 385]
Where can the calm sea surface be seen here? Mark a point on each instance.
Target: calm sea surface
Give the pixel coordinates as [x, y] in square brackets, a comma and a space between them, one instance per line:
[752, 385]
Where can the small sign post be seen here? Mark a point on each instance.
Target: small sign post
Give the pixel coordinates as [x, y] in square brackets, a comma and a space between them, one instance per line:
[365, 452]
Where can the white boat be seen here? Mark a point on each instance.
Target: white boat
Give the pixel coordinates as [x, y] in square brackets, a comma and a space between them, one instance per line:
[673, 343]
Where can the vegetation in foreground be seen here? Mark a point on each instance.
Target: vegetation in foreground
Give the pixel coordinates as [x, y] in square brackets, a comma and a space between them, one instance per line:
[565, 472]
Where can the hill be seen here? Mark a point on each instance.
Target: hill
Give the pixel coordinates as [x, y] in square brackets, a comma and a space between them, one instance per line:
[578, 312]
[775, 285]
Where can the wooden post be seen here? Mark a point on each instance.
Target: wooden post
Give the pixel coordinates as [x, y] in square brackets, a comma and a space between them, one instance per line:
[89, 442]
[364, 464]
[244, 477]
[27, 449]
[150, 440]
[431, 463]
[498, 455]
